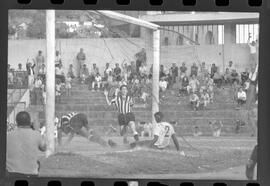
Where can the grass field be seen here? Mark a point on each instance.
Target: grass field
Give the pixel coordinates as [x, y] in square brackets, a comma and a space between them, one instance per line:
[208, 158]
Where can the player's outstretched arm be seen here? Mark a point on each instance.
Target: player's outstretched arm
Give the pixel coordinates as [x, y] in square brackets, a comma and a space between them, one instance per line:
[175, 141]
[106, 96]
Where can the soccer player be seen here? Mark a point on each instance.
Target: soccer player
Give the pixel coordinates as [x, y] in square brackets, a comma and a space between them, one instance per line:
[163, 132]
[123, 103]
[77, 123]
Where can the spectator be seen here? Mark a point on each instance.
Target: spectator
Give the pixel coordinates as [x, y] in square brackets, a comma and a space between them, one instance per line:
[184, 85]
[84, 74]
[71, 71]
[143, 71]
[58, 91]
[194, 70]
[23, 145]
[81, 60]
[203, 69]
[227, 76]
[193, 84]
[10, 76]
[107, 71]
[231, 67]
[39, 60]
[42, 73]
[210, 87]
[197, 132]
[30, 72]
[183, 70]
[125, 71]
[241, 97]
[140, 59]
[253, 51]
[213, 70]
[217, 79]
[253, 79]
[205, 99]
[38, 91]
[194, 101]
[150, 72]
[58, 58]
[216, 128]
[59, 73]
[145, 91]
[162, 72]
[19, 75]
[68, 83]
[117, 72]
[234, 77]
[96, 82]
[174, 71]
[163, 86]
[244, 76]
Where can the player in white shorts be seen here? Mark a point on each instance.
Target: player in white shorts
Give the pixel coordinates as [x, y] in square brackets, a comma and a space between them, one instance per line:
[163, 132]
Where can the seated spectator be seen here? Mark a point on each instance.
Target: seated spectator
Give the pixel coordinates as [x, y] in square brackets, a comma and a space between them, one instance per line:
[210, 87]
[204, 99]
[183, 70]
[108, 81]
[194, 101]
[71, 72]
[234, 77]
[98, 80]
[23, 146]
[42, 73]
[241, 97]
[217, 79]
[184, 84]
[197, 132]
[59, 73]
[143, 71]
[244, 76]
[30, 72]
[194, 70]
[84, 74]
[213, 70]
[117, 72]
[193, 84]
[216, 128]
[93, 72]
[58, 59]
[68, 83]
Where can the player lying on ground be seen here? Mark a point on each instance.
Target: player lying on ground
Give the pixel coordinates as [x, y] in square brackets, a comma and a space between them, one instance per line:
[163, 132]
[126, 117]
[77, 123]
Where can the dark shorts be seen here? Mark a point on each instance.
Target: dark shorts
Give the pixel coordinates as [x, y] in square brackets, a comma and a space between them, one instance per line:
[124, 119]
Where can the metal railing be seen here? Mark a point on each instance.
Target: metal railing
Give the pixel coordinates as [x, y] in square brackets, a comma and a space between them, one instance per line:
[17, 79]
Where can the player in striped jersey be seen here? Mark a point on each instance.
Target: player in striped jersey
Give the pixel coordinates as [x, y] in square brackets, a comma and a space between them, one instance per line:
[123, 103]
[77, 123]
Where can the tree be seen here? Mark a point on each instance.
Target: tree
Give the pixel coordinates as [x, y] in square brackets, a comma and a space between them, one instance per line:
[37, 29]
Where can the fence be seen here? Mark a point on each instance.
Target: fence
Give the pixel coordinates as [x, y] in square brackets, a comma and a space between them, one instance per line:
[17, 79]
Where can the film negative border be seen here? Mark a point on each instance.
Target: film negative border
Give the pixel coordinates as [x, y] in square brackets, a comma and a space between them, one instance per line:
[261, 6]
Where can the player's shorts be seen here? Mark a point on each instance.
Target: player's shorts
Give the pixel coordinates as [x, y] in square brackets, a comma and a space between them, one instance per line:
[124, 119]
[78, 121]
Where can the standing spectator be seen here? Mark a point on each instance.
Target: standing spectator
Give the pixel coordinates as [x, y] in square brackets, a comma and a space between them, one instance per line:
[84, 74]
[231, 67]
[143, 71]
[107, 71]
[140, 59]
[20, 75]
[210, 87]
[213, 70]
[117, 72]
[194, 70]
[193, 84]
[253, 52]
[174, 70]
[39, 60]
[253, 79]
[162, 72]
[96, 82]
[81, 60]
[244, 76]
[42, 73]
[23, 145]
[227, 76]
[241, 97]
[38, 91]
[194, 101]
[183, 70]
[10, 75]
[71, 71]
[58, 91]
[68, 83]
[30, 72]
[59, 73]
[184, 85]
[58, 58]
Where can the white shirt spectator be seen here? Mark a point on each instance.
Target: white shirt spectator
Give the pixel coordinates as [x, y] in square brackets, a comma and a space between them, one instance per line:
[38, 83]
[143, 69]
[59, 71]
[163, 85]
[253, 48]
[242, 95]
[98, 78]
[194, 98]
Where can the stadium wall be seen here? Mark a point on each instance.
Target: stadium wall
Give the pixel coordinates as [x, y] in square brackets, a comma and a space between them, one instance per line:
[114, 50]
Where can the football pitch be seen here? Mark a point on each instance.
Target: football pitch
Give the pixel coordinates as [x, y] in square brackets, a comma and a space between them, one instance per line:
[207, 158]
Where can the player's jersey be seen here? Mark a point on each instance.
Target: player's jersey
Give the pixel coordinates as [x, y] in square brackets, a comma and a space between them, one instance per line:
[164, 131]
[67, 118]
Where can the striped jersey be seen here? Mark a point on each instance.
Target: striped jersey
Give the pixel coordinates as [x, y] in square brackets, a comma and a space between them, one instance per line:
[68, 117]
[123, 104]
